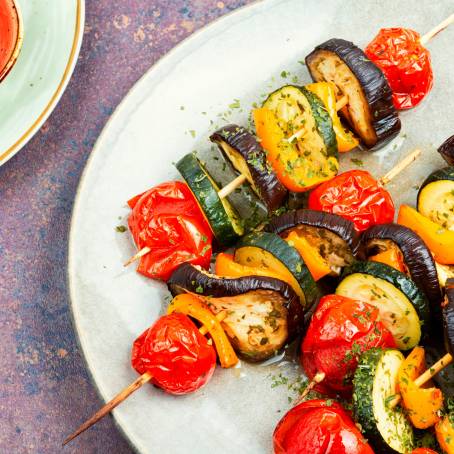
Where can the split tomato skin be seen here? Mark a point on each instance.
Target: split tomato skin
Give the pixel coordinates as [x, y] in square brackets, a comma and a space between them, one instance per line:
[174, 352]
[340, 330]
[318, 427]
[406, 64]
[168, 220]
[423, 451]
[355, 195]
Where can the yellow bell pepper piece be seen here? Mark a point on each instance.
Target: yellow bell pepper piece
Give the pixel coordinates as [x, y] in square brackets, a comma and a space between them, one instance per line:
[314, 261]
[439, 240]
[422, 404]
[444, 431]
[193, 306]
[326, 91]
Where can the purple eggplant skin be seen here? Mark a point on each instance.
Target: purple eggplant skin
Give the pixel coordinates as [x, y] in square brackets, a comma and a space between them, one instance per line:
[343, 228]
[268, 187]
[189, 278]
[446, 149]
[384, 118]
[417, 257]
[448, 315]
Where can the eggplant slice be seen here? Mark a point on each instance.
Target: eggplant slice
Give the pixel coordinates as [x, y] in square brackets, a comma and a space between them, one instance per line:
[263, 313]
[334, 237]
[370, 110]
[417, 257]
[244, 152]
[446, 149]
[448, 316]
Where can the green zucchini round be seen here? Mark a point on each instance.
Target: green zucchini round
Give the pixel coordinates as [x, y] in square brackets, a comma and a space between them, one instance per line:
[288, 256]
[436, 197]
[374, 386]
[220, 214]
[323, 122]
[394, 294]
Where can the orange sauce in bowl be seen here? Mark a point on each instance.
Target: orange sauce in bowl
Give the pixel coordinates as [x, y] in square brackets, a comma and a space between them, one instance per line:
[9, 34]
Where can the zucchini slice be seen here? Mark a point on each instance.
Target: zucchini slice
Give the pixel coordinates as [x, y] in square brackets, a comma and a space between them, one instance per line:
[263, 313]
[270, 251]
[310, 153]
[370, 110]
[403, 307]
[220, 214]
[436, 197]
[246, 155]
[374, 385]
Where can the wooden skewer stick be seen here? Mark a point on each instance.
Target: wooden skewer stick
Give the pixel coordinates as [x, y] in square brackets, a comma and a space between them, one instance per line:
[120, 397]
[141, 253]
[341, 102]
[441, 26]
[399, 167]
[228, 189]
[318, 378]
[427, 375]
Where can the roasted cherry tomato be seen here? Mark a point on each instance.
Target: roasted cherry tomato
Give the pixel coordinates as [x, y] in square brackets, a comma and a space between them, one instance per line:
[174, 352]
[405, 63]
[168, 220]
[318, 427]
[356, 196]
[340, 330]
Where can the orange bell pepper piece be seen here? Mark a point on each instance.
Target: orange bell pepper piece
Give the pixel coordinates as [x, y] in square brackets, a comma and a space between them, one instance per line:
[326, 91]
[390, 257]
[439, 240]
[444, 431]
[422, 404]
[227, 267]
[315, 262]
[193, 306]
[285, 158]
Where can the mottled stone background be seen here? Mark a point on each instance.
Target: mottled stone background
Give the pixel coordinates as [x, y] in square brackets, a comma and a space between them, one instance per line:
[45, 391]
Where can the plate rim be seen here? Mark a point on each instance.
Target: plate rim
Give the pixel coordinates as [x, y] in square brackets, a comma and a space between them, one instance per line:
[11, 151]
[78, 195]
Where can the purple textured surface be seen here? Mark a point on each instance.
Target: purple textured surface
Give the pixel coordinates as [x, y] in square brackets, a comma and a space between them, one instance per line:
[45, 390]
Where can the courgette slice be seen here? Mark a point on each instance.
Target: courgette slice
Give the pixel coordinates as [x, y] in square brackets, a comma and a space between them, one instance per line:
[436, 197]
[374, 386]
[246, 155]
[403, 307]
[269, 251]
[220, 214]
[309, 152]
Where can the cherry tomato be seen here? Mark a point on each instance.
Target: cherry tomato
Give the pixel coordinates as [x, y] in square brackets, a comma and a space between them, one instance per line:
[318, 427]
[340, 330]
[423, 451]
[168, 220]
[175, 353]
[356, 196]
[405, 63]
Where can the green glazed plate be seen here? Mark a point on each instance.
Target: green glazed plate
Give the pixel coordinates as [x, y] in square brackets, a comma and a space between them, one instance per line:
[53, 32]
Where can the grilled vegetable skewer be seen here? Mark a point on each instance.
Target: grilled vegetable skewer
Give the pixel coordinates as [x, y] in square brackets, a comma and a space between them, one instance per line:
[137, 384]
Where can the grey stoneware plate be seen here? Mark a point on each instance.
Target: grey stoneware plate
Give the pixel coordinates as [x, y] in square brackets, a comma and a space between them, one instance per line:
[168, 114]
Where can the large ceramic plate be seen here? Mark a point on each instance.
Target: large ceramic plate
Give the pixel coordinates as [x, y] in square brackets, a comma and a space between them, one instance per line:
[239, 57]
[53, 32]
